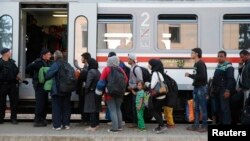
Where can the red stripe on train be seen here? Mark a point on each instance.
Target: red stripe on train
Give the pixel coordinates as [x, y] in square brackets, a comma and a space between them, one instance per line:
[146, 59]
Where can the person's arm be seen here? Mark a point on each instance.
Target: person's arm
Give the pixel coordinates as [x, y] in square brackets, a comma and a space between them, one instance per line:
[154, 80]
[101, 84]
[52, 71]
[230, 77]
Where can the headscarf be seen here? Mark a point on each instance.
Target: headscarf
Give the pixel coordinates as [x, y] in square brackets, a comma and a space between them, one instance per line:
[113, 61]
[156, 66]
[92, 64]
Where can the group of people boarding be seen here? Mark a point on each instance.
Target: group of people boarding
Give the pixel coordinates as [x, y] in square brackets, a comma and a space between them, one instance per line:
[116, 78]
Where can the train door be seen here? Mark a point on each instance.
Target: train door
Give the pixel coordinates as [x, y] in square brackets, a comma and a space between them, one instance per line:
[9, 27]
[82, 30]
[41, 26]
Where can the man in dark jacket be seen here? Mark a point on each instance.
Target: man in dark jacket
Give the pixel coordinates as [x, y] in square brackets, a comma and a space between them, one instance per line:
[40, 94]
[244, 71]
[8, 85]
[223, 86]
[61, 107]
[200, 90]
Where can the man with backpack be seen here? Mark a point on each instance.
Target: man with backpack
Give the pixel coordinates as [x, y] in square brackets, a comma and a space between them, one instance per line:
[135, 76]
[113, 82]
[64, 82]
[40, 94]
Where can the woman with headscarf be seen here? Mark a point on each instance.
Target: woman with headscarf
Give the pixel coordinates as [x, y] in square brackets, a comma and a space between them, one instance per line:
[157, 102]
[92, 104]
[114, 103]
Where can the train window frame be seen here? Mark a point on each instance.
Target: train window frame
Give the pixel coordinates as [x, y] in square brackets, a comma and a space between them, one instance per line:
[109, 18]
[11, 46]
[176, 20]
[230, 19]
[78, 56]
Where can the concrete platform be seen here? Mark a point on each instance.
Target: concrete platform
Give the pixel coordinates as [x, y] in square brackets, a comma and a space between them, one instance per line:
[25, 131]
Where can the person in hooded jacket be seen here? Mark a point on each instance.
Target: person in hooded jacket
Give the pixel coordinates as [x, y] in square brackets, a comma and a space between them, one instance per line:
[114, 103]
[157, 103]
[92, 104]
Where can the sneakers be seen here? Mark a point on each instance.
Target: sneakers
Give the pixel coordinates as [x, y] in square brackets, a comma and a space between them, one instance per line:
[112, 131]
[92, 129]
[120, 129]
[142, 129]
[57, 129]
[160, 129]
[202, 129]
[40, 124]
[66, 127]
[14, 121]
[193, 128]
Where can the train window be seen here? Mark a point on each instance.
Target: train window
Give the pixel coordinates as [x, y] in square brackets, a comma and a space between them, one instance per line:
[81, 37]
[6, 32]
[236, 31]
[115, 31]
[177, 31]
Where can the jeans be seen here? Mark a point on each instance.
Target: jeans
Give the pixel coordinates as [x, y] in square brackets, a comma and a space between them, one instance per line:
[114, 106]
[200, 101]
[61, 110]
[222, 106]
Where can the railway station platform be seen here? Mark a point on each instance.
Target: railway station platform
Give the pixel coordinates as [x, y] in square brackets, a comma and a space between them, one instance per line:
[25, 131]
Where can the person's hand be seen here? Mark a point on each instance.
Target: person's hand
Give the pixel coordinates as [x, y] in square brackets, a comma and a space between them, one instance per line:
[226, 94]
[187, 74]
[138, 107]
[147, 84]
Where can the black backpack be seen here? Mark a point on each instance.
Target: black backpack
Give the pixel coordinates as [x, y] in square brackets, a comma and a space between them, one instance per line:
[116, 84]
[67, 79]
[172, 85]
[145, 74]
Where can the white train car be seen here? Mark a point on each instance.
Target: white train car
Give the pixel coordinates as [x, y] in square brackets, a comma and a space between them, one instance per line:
[167, 30]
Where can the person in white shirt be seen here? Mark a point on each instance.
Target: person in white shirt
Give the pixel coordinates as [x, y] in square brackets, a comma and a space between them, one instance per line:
[155, 108]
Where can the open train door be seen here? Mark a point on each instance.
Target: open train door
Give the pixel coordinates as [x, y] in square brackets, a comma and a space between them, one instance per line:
[9, 27]
[82, 24]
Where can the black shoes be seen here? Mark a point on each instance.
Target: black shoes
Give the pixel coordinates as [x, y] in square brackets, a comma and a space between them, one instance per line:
[14, 121]
[40, 124]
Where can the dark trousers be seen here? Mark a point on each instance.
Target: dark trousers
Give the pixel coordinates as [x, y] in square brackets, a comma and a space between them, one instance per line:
[61, 110]
[85, 117]
[156, 110]
[94, 119]
[134, 112]
[222, 105]
[41, 104]
[11, 91]
[236, 105]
